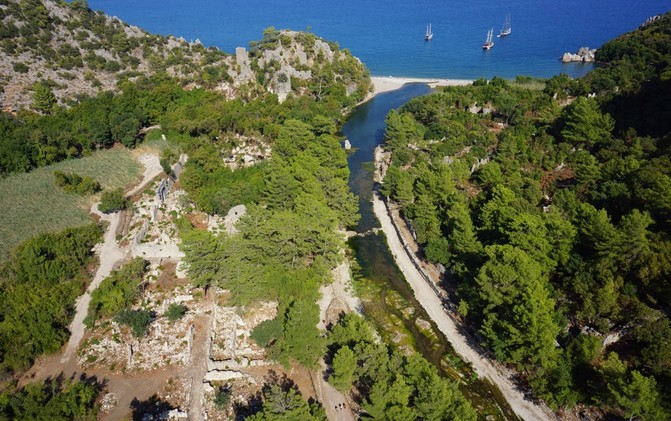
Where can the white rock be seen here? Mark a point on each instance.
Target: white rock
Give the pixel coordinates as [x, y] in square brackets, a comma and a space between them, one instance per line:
[218, 375]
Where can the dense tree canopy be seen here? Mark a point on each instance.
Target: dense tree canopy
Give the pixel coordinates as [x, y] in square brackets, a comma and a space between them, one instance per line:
[297, 202]
[390, 386]
[550, 213]
[50, 401]
[38, 288]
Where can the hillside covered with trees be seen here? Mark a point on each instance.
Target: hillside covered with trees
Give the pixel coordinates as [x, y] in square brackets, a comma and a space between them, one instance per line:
[548, 204]
[111, 81]
[288, 94]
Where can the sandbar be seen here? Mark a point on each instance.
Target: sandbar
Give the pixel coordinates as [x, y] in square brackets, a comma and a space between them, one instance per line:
[388, 83]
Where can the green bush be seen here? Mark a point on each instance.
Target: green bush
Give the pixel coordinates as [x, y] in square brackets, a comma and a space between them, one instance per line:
[118, 291]
[175, 312]
[137, 320]
[20, 68]
[267, 332]
[74, 183]
[113, 201]
[44, 99]
[222, 398]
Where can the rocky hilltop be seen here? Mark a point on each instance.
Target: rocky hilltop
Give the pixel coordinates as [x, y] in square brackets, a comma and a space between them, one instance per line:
[76, 51]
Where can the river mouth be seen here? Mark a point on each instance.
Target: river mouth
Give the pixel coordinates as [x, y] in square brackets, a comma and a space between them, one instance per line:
[387, 298]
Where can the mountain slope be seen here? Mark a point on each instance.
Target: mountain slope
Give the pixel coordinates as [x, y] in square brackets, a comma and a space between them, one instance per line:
[76, 51]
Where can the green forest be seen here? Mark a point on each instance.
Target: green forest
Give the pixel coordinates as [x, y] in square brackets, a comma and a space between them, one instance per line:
[287, 244]
[38, 288]
[548, 204]
[389, 384]
[30, 139]
[52, 400]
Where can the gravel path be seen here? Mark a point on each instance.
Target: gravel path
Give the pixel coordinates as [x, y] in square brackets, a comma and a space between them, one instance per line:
[109, 254]
[426, 296]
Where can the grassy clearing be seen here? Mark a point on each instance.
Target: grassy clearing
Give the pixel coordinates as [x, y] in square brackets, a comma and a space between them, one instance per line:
[153, 141]
[529, 83]
[31, 204]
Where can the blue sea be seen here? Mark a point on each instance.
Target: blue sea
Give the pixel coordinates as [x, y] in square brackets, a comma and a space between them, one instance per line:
[388, 35]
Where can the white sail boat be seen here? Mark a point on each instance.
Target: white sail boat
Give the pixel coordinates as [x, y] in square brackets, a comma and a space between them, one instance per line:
[506, 30]
[429, 33]
[489, 43]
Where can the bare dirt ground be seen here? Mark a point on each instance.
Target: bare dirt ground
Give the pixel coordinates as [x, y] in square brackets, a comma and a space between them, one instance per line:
[425, 295]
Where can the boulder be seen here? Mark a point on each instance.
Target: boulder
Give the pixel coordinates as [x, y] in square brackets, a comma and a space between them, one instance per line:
[584, 55]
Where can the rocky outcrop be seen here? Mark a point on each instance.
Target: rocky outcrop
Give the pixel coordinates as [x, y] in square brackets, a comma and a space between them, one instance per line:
[76, 52]
[584, 55]
[285, 62]
[649, 20]
[82, 52]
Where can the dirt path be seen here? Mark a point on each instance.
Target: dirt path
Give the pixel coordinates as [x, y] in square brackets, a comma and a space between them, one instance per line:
[109, 254]
[331, 398]
[336, 297]
[136, 387]
[426, 296]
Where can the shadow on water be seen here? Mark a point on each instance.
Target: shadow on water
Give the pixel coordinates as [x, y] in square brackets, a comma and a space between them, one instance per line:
[388, 299]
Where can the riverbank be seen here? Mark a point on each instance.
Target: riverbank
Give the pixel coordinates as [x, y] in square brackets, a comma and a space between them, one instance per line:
[383, 84]
[425, 294]
[424, 285]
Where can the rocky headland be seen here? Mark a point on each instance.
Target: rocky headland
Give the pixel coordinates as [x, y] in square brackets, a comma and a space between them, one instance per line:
[584, 55]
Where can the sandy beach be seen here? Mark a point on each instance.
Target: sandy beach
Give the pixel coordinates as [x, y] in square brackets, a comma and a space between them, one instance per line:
[385, 84]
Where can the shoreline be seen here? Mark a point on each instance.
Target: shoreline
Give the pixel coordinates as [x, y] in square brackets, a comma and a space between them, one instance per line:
[383, 84]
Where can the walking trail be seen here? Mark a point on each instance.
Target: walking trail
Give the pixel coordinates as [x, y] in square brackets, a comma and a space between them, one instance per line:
[427, 297]
[337, 297]
[109, 253]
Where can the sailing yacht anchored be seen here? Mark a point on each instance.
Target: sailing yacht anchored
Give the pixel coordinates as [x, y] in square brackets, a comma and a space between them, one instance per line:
[489, 43]
[429, 33]
[506, 30]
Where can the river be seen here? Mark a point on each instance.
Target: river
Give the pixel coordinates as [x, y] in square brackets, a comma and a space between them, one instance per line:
[387, 298]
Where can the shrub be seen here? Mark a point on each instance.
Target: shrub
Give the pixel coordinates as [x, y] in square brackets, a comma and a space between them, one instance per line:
[175, 312]
[137, 320]
[118, 291]
[223, 397]
[267, 332]
[113, 201]
[74, 183]
[20, 68]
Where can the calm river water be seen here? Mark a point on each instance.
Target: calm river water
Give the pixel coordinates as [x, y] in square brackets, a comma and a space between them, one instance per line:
[388, 299]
